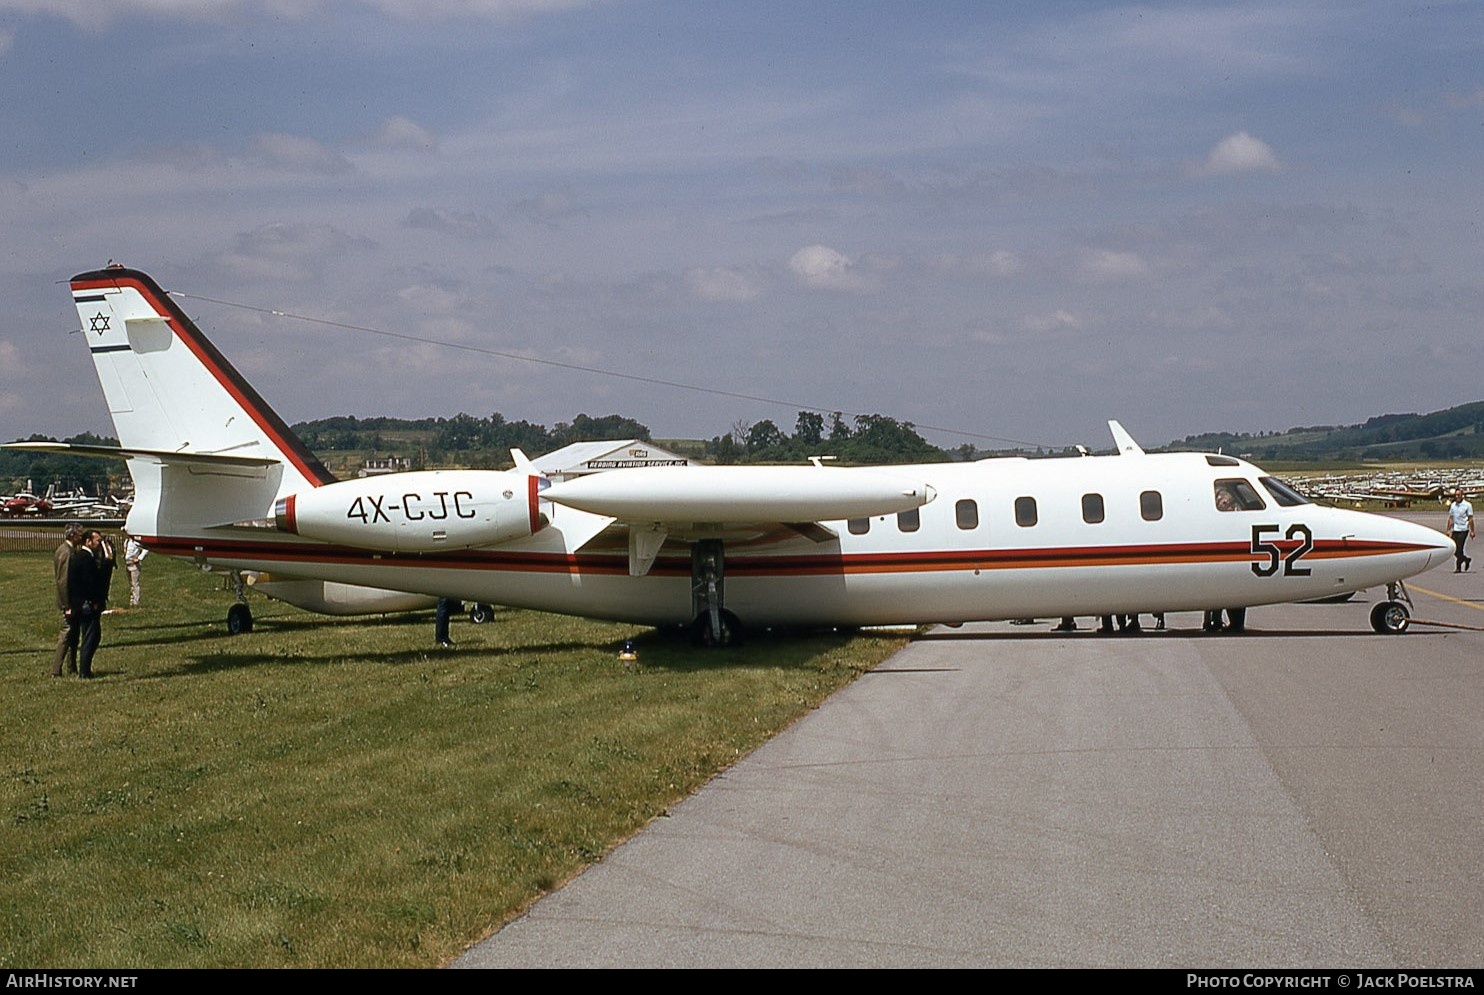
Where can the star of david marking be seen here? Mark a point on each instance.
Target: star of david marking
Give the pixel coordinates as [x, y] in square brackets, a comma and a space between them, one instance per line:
[98, 323]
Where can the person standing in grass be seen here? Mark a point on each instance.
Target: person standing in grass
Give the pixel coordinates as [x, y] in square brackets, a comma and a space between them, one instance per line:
[66, 657]
[89, 573]
[134, 554]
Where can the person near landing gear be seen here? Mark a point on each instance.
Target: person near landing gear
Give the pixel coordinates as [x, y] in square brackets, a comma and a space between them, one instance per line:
[1236, 620]
[446, 607]
[1461, 529]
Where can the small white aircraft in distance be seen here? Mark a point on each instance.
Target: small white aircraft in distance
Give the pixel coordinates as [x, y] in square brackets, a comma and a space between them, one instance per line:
[221, 480]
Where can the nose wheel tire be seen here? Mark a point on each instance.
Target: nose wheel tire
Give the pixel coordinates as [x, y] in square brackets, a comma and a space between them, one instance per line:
[1390, 617]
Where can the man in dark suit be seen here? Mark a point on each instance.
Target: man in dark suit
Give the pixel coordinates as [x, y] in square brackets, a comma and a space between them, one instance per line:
[89, 574]
[66, 657]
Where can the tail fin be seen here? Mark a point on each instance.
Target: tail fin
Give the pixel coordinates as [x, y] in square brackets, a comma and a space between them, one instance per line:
[170, 391]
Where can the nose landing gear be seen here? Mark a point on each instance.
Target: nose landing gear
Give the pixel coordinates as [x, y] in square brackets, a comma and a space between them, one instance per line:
[1391, 617]
[713, 625]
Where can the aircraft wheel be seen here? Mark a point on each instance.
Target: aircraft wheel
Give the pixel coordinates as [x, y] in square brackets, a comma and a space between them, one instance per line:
[726, 631]
[481, 613]
[239, 619]
[1390, 617]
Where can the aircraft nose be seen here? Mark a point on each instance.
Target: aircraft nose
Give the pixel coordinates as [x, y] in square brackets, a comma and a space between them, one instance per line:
[1442, 549]
[1406, 547]
[1434, 547]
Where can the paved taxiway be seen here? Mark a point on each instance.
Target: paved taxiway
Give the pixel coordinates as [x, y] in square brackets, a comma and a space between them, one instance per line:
[1309, 794]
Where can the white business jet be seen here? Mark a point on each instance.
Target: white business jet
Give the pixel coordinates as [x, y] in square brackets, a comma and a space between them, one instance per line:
[220, 480]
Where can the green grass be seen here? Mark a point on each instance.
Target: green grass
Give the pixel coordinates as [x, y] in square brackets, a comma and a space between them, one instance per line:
[335, 792]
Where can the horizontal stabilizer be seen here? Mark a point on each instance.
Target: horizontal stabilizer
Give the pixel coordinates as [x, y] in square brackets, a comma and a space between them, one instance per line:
[162, 457]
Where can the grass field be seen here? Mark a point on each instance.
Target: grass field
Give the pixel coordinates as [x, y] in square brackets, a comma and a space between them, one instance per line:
[336, 792]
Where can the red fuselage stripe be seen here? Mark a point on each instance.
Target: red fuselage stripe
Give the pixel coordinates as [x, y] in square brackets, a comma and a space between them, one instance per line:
[763, 565]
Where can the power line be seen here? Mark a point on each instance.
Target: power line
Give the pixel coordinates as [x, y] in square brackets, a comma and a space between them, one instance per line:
[577, 367]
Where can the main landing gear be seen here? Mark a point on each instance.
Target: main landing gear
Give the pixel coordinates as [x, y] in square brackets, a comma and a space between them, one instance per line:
[239, 616]
[239, 619]
[713, 625]
[1391, 617]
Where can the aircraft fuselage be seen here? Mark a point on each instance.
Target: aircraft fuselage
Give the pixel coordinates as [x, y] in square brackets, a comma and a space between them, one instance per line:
[1005, 538]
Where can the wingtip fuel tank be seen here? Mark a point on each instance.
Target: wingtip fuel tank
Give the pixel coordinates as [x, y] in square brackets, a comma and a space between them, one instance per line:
[420, 512]
[742, 493]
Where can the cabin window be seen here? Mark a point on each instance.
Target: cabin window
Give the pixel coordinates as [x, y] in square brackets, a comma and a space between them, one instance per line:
[1236, 494]
[1092, 508]
[1025, 512]
[966, 513]
[909, 521]
[1283, 493]
[858, 526]
[1151, 506]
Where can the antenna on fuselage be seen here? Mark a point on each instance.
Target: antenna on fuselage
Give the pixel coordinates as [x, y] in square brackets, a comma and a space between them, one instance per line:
[1123, 441]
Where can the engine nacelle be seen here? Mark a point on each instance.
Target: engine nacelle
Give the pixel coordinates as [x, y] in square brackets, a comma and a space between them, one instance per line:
[421, 512]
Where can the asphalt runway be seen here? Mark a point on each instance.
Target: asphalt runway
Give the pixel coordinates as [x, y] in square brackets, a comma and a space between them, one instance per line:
[1307, 794]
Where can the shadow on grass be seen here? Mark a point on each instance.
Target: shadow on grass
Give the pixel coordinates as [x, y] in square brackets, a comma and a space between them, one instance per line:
[662, 649]
[673, 649]
[220, 662]
[659, 650]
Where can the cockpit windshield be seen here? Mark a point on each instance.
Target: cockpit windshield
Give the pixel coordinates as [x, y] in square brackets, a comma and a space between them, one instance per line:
[1283, 493]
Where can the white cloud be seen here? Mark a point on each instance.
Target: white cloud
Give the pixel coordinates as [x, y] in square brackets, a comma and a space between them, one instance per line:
[289, 252]
[485, 9]
[1241, 153]
[430, 299]
[398, 132]
[1053, 321]
[823, 268]
[298, 154]
[466, 224]
[12, 365]
[723, 284]
[547, 209]
[1105, 266]
[1465, 101]
[190, 157]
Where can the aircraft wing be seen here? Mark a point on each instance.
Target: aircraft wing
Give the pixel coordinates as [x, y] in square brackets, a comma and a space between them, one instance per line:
[656, 503]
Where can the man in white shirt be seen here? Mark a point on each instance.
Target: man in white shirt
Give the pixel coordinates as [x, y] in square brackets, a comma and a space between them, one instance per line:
[1461, 528]
[134, 554]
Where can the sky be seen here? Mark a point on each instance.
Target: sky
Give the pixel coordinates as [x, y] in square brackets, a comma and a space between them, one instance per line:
[1000, 221]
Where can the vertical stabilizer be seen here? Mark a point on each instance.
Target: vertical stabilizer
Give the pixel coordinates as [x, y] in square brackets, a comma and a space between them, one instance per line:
[1125, 442]
[170, 390]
